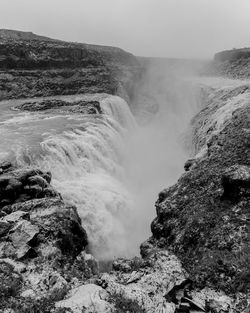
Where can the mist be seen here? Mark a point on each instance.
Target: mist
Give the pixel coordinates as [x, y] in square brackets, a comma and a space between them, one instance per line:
[156, 151]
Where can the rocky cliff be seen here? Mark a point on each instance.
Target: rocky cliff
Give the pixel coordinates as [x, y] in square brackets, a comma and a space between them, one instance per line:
[32, 65]
[204, 217]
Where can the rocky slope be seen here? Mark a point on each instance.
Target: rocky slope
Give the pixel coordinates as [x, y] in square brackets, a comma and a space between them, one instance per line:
[233, 63]
[32, 65]
[40, 240]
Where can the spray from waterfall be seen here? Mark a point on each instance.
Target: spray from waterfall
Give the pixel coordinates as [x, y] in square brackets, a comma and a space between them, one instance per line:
[111, 166]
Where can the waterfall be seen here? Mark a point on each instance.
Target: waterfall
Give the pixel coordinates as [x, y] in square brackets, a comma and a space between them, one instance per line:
[111, 166]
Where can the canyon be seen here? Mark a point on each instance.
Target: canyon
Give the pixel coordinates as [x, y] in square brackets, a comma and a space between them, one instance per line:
[90, 136]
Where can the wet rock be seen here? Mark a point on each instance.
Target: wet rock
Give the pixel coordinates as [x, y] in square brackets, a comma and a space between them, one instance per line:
[82, 106]
[18, 185]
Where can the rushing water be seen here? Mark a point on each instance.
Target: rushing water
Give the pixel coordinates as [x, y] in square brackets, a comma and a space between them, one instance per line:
[111, 165]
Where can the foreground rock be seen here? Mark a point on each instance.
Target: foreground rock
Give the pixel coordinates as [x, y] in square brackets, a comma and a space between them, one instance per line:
[41, 239]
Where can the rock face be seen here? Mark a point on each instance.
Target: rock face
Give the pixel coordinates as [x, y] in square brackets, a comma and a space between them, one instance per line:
[204, 217]
[32, 65]
[34, 217]
[40, 237]
[85, 107]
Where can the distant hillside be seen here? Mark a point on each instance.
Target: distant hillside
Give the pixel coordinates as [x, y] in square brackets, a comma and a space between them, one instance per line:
[233, 63]
[20, 35]
[232, 55]
[33, 65]
[36, 42]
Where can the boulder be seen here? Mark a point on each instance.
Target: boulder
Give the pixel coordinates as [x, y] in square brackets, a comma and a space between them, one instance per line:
[147, 285]
[87, 298]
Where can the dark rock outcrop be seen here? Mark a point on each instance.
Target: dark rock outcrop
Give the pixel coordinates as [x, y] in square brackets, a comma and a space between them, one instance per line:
[86, 107]
[34, 218]
[41, 240]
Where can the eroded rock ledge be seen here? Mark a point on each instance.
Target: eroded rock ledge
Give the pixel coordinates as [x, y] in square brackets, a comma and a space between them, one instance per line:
[41, 242]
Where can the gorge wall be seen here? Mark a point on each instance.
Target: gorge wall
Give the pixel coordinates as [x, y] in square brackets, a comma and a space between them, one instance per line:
[33, 66]
[99, 170]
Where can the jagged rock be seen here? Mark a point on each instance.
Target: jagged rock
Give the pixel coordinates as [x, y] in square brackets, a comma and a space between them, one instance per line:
[149, 284]
[39, 232]
[233, 179]
[18, 185]
[22, 233]
[87, 298]
[44, 281]
[15, 216]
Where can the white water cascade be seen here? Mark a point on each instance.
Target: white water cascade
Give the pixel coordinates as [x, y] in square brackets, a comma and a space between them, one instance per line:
[86, 165]
[107, 165]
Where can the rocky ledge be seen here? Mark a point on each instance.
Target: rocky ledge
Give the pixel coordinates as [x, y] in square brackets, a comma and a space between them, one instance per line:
[42, 242]
[81, 106]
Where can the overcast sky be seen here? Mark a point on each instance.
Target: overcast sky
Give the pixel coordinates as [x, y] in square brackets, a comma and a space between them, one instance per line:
[166, 28]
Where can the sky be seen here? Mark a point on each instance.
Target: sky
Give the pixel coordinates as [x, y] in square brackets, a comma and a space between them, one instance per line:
[157, 28]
